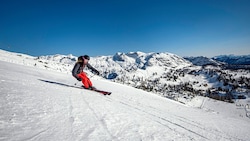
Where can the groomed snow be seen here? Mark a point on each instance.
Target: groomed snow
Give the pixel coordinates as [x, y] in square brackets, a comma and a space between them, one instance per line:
[36, 104]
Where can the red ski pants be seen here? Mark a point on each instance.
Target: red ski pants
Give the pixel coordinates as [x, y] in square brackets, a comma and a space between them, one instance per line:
[85, 80]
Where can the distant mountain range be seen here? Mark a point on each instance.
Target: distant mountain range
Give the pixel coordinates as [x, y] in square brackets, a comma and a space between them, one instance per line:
[234, 60]
[225, 61]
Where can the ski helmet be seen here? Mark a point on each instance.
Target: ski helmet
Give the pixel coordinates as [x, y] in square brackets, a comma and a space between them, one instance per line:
[86, 57]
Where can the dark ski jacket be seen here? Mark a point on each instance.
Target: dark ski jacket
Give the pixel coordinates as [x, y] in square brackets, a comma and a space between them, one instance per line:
[78, 68]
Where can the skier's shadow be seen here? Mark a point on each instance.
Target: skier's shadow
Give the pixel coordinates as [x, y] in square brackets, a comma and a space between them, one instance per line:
[57, 83]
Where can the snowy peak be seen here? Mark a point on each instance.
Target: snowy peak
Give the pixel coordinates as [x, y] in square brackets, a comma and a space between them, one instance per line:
[203, 61]
[137, 62]
[135, 54]
[144, 60]
[122, 57]
[171, 60]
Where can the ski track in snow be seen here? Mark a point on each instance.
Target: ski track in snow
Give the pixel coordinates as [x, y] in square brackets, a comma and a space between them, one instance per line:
[165, 121]
[32, 109]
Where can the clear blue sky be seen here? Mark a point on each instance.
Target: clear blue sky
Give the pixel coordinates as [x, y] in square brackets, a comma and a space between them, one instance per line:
[104, 27]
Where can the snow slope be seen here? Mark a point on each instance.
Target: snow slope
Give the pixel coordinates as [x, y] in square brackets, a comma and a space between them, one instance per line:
[60, 63]
[38, 104]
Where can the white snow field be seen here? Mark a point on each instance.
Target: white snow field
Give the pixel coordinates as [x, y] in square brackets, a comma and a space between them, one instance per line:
[37, 105]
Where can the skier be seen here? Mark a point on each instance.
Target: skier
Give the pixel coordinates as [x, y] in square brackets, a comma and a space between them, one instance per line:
[78, 73]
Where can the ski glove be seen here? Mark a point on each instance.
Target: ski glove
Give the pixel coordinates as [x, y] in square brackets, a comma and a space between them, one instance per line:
[79, 79]
[97, 72]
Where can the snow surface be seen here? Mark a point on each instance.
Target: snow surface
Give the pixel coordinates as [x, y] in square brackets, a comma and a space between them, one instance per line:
[39, 104]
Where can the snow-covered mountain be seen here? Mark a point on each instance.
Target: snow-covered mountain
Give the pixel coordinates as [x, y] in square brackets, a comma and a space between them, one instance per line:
[172, 76]
[203, 61]
[138, 64]
[165, 74]
[38, 102]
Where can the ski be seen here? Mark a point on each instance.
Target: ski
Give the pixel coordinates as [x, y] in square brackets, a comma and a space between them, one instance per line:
[79, 87]
[99, 91]
[102, 92]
